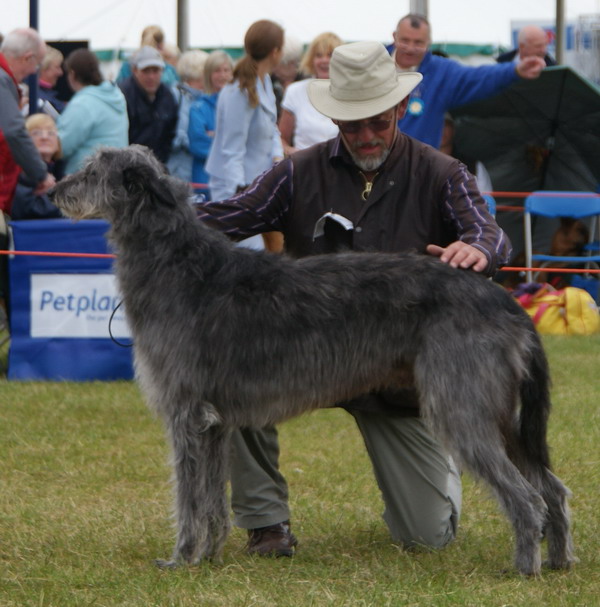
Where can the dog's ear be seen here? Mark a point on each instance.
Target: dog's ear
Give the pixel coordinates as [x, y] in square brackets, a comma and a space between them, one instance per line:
[143, 181]
[133, 181]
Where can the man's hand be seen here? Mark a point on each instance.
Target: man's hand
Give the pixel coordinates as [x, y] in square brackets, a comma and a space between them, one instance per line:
[44, 186]
[530, 67]
[460, 255]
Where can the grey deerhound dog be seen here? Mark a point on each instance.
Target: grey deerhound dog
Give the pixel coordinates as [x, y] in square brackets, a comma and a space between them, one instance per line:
[227, 337]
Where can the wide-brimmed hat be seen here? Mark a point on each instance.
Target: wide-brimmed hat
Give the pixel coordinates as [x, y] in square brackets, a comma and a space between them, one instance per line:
[363, 82]
[147, 56]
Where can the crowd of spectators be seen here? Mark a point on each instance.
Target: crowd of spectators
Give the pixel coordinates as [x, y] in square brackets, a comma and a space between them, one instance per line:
[168, 100]
[208, 129]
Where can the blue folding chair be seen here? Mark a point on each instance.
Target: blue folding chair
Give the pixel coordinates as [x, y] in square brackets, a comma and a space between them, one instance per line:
[579, 205]
[491, 203]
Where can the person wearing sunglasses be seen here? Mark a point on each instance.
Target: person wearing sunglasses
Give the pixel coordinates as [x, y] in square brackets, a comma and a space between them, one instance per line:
[370, 188]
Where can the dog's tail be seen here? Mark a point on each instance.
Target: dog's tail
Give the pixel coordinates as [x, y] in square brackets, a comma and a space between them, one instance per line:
[535, 405]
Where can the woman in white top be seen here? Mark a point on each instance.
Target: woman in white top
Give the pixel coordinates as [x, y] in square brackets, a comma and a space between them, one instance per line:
[300, 124]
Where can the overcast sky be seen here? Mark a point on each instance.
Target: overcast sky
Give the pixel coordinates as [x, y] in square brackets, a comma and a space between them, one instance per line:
[118, 23]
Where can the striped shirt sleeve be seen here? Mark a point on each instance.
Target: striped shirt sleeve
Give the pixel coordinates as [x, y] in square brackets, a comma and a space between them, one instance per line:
[466, 210]
[262, 207]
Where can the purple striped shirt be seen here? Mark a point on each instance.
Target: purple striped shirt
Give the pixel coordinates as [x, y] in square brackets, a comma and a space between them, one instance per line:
[418, 197]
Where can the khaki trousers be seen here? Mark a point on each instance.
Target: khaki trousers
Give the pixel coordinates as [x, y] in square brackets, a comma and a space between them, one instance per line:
[419, 483]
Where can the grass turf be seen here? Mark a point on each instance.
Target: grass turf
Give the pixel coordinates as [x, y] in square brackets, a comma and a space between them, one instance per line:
[85, 503]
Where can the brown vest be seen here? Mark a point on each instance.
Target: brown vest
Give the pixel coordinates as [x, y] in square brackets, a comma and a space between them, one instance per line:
[401, 212]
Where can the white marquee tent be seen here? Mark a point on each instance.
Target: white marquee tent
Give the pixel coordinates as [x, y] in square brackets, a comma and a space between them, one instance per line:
[112, 24]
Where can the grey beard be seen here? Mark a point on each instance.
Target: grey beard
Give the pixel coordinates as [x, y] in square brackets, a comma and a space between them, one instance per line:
[371, 163]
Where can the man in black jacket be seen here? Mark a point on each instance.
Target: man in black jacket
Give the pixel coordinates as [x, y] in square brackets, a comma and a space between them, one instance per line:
[151, 107]
[533, 41]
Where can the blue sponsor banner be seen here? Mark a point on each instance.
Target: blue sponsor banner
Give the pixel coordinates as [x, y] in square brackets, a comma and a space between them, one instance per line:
[61, 307]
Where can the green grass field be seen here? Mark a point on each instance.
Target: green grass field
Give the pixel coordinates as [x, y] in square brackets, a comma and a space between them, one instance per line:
[85, 505]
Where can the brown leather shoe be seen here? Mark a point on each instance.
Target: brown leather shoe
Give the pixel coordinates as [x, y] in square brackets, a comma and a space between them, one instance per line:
[274, 540]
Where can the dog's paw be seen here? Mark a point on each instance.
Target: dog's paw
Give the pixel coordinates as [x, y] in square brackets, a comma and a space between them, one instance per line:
[170, 564]
[565, 563]
[215, 559]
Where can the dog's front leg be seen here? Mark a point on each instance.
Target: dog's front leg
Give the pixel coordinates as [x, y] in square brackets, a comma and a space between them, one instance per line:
[200, 476]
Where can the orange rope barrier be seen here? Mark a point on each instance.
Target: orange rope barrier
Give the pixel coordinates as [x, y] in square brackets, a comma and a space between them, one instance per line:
[506, 207]
[56, 254]
[508, 194]
[111, 256]
[549, 269]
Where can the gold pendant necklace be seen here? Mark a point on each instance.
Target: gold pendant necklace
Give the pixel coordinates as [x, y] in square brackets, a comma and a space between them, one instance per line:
[368, 185]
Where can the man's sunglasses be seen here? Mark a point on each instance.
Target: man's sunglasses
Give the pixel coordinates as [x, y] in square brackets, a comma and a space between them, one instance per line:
[354, 126]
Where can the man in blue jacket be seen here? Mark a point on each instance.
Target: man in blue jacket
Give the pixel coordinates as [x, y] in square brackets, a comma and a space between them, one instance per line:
[446, 83]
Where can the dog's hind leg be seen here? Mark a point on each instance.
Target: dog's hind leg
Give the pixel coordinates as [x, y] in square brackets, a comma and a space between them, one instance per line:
[200, 476]
[467, 411]
[523, 505]
[558, 535]
[557, 524]
[555, 495]
[533, 459]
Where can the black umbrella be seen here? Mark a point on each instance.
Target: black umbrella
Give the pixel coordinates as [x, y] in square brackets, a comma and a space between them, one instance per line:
[541, 134]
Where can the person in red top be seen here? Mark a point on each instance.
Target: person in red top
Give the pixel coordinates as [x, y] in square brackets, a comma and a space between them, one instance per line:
[20, 55]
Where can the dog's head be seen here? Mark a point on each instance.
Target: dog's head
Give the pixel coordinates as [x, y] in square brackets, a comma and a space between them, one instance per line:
[116, 182]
